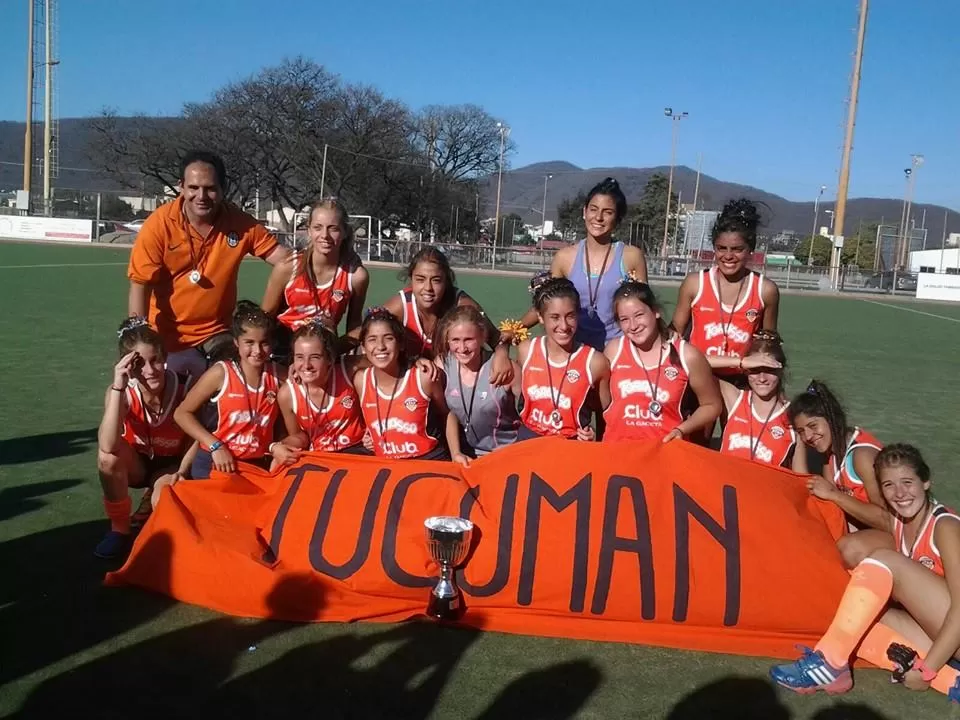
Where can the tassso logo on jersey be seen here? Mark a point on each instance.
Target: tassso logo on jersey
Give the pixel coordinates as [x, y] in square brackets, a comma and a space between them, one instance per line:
[739, 441]
[395, 424]
[626, 388]
[715, 329]
[541, 392]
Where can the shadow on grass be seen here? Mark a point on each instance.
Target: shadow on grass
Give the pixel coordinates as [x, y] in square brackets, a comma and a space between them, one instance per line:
[557, 692]
[22, 499]
[53, 603]
[750, 698]
[33, 448]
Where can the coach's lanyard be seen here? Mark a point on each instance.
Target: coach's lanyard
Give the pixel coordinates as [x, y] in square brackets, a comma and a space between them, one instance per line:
[773, 408]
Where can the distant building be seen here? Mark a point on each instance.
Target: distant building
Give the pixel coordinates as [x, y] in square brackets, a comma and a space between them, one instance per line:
[936, 261]
[697, 226]
[784, 241]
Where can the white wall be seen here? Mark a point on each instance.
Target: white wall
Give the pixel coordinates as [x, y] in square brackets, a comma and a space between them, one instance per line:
[939, 260]
[27, 227]
[938, 286]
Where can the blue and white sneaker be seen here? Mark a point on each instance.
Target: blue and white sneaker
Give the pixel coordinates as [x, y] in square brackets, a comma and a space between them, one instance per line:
[812, 673]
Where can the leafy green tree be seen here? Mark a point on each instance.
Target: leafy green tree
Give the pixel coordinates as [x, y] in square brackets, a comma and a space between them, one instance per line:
[821, 250]
[570, 215]
[651, 210]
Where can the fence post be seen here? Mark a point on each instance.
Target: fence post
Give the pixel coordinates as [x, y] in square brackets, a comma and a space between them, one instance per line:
[98, 218]
[789, 265]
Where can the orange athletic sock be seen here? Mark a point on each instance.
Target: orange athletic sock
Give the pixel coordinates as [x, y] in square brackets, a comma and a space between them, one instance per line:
[119, 514]
[865, 597]
[873, 649]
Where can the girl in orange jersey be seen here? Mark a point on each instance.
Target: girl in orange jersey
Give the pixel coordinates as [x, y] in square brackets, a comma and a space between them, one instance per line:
[431, 294]
[243, 392]
[138, 441]
[720, 308]
[920, 572]
[325, 280]
[650, 373]
[402, 405]
[757, 424]
[847, 454]
[558, 373]
[321, 409]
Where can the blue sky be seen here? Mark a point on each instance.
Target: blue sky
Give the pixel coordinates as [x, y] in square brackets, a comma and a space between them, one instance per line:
[764, 81]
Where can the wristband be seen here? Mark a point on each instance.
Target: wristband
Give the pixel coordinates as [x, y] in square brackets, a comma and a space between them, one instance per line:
[926, 673]
[216, 446]
[271, 446]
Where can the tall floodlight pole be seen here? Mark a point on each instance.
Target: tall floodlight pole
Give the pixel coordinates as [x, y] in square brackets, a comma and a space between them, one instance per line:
[28, 134]
[543, 212]
[675, 119]
[816, 218]
[916, 161]
[47, 110]
[504, 131]
[844, 182]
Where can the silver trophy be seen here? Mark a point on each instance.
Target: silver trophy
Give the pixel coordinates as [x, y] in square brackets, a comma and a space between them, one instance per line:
[448, 542]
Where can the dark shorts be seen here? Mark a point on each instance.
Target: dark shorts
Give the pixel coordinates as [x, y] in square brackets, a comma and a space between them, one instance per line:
[155, 467]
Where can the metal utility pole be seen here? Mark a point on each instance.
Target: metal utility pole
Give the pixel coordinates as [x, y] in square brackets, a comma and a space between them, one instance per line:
[915, 161]
[504, 131]
[675, 119]
[28, 134]
[47, 110]
[816, 219]
[842, 185]
[696, 187]
[543, 212]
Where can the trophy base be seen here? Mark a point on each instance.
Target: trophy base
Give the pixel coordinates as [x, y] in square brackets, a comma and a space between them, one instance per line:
[451, 608]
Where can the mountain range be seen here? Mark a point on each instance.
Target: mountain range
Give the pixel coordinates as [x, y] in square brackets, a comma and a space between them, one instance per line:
[522, 188]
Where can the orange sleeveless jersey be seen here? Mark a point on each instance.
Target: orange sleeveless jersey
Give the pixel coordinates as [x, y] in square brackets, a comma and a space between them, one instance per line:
[404, 431]
[924, 550]
[545, 392]
[631, 389]
[246, 436]
[718, 329]
[155, 436]
[337, 425]
[746, 436]
[417, 341]
[305, 300]
[846, 478]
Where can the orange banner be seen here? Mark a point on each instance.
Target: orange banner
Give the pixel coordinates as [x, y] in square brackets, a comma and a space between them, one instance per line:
[669, 545]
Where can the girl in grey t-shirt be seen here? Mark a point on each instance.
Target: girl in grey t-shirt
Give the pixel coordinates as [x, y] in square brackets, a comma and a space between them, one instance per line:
[486, 415]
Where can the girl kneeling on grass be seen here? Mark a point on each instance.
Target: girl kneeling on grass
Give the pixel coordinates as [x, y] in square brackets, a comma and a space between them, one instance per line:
[650, 372]
[558, 373]
[402, 404]
[138, 441]
[482, 417]
[243, 392]
[757, 425]
[919, 639]
[320, 408]
[848, 455]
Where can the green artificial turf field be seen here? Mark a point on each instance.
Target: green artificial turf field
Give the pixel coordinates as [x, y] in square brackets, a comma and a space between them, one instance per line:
[67, 644]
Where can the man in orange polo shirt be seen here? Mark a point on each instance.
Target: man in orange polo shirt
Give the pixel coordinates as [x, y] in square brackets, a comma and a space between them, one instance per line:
[185, 261]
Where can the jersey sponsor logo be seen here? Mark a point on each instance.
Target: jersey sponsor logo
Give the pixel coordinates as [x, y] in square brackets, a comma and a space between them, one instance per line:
[671, 372]
[346, 401]
[573, 376]
[641, 412]
[400, 449]
[777, 432]
[752, 315]
[716, 329]
[244, 441]
[395, 424]
[626, 388]
[233, 239]
[242, 417]
[545, 392]
[338, 295]
[543, 419]
[235, 396]
[927, 562]
[271, 396]
[739, 441]
[157, 442]
[410, 404]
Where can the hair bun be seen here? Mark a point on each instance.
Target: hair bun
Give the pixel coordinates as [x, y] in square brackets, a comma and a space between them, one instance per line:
[742, 211]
